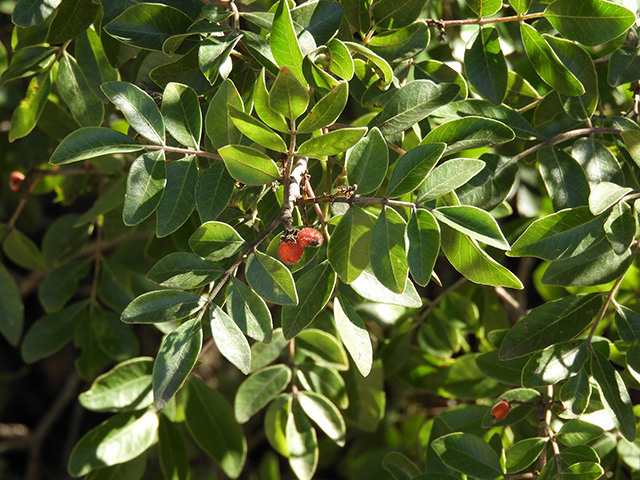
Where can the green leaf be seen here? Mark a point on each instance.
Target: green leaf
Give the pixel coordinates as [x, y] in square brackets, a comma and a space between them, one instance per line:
[599, 164]
[183, 270]
[213, 53]
[212, 425]
[22, 251]
[29, 61]
[485, 65]
[412, 103]
[367, 162]
[259, 389]
[302, 444]
[563, 177]
[51, 332]
[85, 107]
[93, 61]
[124, 388]
[215, 241]
[90, 142]
[72, 18]
[26, 115]
[213, 192]
[341, 61]
[489, 188]
[182, 115]
[469, 455]
[348, 249]
[327, 110]
[284, 42]
[474, 222]
[469, 132]
[505, 371]
[249, 311]
[256, 130]
[111, 197]
[323, 348]
[336, 141]
[119, 439]
[248, 165]
[624, 66]
[369, 287]
[357, 13]
[484, 8]
[133, 469]
[400, 467]
[145, 187]
[61, 284]
[388, 250]
[413, 168]
[554, 363]
[474, 263]
[578, 432]
[314, 289]
[354, 334]
[324, 414]
[262, 104]
[218, 124]
[27, 13]
[270, 279]
[263, 354]
[552, 322]
[178, 200]
[138, 108]
[288, 96]
[185, 70]
[383, 69]
[392, 15]
[275, 423]
[448, 176]
[440, 72]
[524, 453]
[230, 340]
[161, 306]
[172, 451]
[564, 234]
[628, 324]
[423, 234]
[605, 195]
[176, 358]
[620, 227]
[584, 471]
[589, 22]
[402, 44]
[614, 395]
[547, 64]
[148, 25]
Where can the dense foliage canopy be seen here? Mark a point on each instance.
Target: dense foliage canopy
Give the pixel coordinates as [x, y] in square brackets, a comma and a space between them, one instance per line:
[466, 306]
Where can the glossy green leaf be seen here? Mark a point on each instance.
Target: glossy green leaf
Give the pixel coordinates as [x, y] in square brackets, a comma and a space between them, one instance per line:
[489, 188]
[124, 388]
[256, 130]
[212, 425]
[484, 8]
[213, 192]
[302, 444]
[84, 105]
[288, 96]
[71, 19]
[176, 358]
[323, 348]
[357, 13]
[138, 108]
[485, 65]
[213, 53]
[589, 22]
[474, 222]
[440, 72]
[624, 66]
[215, 241]
[564, 234]
[133, 469]
[61, 284]
[27, 13]
[183, 270]
[248, 165]
[605, 195]
[578, 432]
[367, 162]
[563, 177]
[383, 69]
[393, 15]
[182, 115]
[314, 290]
[262, 105]
[93, 62]
[555, 321]
[22, 251]
[259, 389]
[270, 279]
[336, 141]
[51, 332]
[576, 393]
[369, 287]
[388, 250]
[148, 25]
[599, 164]
[230, 340]
[474, 263]
[341, 61]
[469, 132]
[554, 363]
[469, 455]
[29, 61]
[628, 324]
[161, 306]
[413, 168]
[117, 440]
[508, 372]
[275, 423]
[145, 187]
[324, 414]
[185, 70]
[348, 250]
[547, 64]
[620, 227]
[26, 115]
[400, 466]
[173, 455]
[263, 354]
[178, 200]
[523, 453]
[402, 44]
[327, 110]
[111, 197]
[614, 395]
[218, 124]
[249, 311]
[354, 334]
[90, 142]
[413, 102]
[284, 41]
[448, 176]
[423, 234]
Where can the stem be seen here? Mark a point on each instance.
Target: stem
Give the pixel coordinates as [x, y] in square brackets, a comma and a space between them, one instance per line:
[326, 198]
[186, 151]
[482, 21]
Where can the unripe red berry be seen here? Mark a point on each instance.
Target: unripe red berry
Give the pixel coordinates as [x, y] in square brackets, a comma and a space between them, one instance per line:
[500, 410]
[15, 181]
[309, 237]
[290, 253]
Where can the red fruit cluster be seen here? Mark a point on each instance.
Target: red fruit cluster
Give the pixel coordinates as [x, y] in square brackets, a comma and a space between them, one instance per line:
[291, 251]
[500, 410]
[15, 181]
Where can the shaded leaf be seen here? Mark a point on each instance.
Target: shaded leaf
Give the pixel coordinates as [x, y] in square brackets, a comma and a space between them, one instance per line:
[248, 165]
[388, 250]
[270, 279]
[413, 168]
[145, 185]
[354, 334]
[259, 389]
[485, 65]
[90, 142]
[178, 200]
[367, 162]
[348, 249]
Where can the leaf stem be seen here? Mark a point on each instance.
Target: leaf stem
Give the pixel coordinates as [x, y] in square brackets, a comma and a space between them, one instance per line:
[186, 151]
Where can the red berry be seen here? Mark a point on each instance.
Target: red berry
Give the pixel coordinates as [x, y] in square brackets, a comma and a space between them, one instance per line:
[309, 237]
[15, 181]
[290, 252]
[500, 410]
